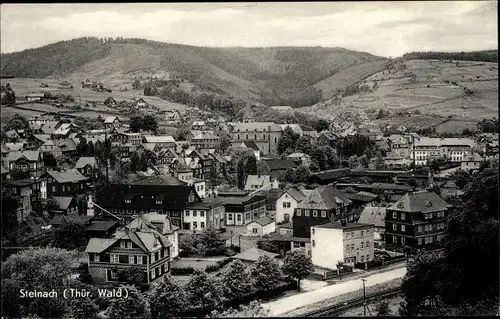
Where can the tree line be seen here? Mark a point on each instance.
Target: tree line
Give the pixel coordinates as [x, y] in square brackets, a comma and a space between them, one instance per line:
[486, 56]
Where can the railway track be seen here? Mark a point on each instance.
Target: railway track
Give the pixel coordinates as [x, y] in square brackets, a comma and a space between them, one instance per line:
[337, 309]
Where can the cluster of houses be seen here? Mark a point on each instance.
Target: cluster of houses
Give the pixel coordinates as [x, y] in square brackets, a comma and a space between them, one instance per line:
[339, 215]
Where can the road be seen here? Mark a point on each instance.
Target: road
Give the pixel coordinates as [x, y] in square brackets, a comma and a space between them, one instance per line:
[282, 306]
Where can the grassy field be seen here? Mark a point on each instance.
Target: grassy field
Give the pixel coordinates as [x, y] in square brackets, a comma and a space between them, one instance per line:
[431, 95]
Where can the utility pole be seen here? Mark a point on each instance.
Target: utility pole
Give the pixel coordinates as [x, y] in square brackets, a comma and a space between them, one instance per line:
[106, 154]
[364, 297]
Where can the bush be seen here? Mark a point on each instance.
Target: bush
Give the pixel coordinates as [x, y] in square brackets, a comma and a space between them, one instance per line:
[212, 268]
[179, 271]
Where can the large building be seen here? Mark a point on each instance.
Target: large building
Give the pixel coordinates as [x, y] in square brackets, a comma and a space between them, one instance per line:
[287, 202]
[242, 208]
[143, 244]
[264, 134]
[324, 204]
[416, 221]
[349, 243]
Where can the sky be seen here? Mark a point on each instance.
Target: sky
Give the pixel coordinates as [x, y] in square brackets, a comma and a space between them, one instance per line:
[386, 28]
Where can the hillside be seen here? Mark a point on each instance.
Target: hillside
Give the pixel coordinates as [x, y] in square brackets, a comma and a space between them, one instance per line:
[444, 94]
[278, 75]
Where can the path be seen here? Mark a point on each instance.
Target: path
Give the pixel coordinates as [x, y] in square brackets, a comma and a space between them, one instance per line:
[284, 305]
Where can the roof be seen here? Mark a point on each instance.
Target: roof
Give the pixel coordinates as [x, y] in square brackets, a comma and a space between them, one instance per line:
[263, 221]
[282, 108]
[374, 215]
[98, 245]
[331, 174]
[21, 182]
[420, 202]
[298, 193]
[67, 176]
[257, 180]
[33, 156]
[278, 164]
[172, 197]
[324, 198]
[101, 225]
[253, 254]
[257, 126]
[61, 219]
[207, 135]
[42, 137]
[251, 145]
[449, 184]
[362, 196]
[111, 119]
[63, 202]
[347, 226]
[159, 139]
[158, 180]
[472, 157]
[248, 112]
[84, 161]
[14, 146]
[298, 155]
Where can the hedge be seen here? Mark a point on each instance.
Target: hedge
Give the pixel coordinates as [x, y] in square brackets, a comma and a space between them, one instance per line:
[181, 271]
[218, 265]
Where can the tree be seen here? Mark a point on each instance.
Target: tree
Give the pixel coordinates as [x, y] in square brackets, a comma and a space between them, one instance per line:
[236, 281]
[353, 162]
[380, 114]
[247, 165]
[136, 84]
[364, 161]
[266, 273]
[149, 123]
[70, 235]
[17, 122]
[253, 310]
[132, 275]
[304, 145]
[183, 134]
[225, 142]
[297, 265]
[321, 125]
[83, 308]
[265, 243]
[167, 298]
[262, 168]
[134, 306]
[10, 96]
[382, 309]
[135, 124]
[10, 204]
[289, 176]
[204, 293]
[379, 162]
[302, 174]
[288, 140]
[461, 177]
[200, 250]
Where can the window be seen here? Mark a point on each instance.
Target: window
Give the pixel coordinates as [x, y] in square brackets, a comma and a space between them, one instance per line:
[255, 136]
[403, 228]
[403, 216]
[195, 213]
[352, 247]
[347, 249]
[402, 240]
[307, 213]
[362, 233]
[96, 257]
[296, 244]
[114, 274]
[313, 230]
[175, 213]
[315, 213]
[394, 227]
[323, 213]
[186, 213]
[195, 225]
[314, 243]
[394, 215]
[440, 214]
[115, 258]
[362, 258]
[230, 217]
[299, 213]
[129, 244]
[202, 213]
[419, 228]
[264, 136]
[419, 241]
[238, 217]
[53, 188]
[202, 225]
[131, 259]
[254, 230]
[352, 234]
[123, 244]
[128, 201]
[362, 245]
[152, 274]
[286, 204]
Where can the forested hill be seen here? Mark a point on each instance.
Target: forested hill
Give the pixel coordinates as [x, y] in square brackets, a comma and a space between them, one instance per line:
[484, 56]
[273, 76]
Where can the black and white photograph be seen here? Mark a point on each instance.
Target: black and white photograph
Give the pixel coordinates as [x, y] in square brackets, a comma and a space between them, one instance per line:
[249, 159]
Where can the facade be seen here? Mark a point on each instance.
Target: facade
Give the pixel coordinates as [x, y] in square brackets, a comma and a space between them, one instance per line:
[163, 141]
[241, 208]
[264, 134]
[375, 215]
[417, 221]
[350, 243]
[300, 159]
[199, 216]
[262, 226]
[324, 204]
[141, 244]
[29, 191]
[65, 182]
[112, 121]
[258, 182]
[471, 161]
[26, 161]
[87, 166]
[287, 202]
[206, 140]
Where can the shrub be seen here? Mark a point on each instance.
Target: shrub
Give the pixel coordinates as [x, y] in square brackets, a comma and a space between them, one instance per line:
[182, 271]
[212, 267]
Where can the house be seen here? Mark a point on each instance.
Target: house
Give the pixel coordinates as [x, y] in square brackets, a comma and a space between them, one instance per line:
[287, 242]
[349, 243]
[203, 164]
[374, 215]
[49, 127]
[65, 182]
[15, 147]
[12, 135]
[259, 182]
[199, 216]
[139, 102]
[198, 125]
[127, 138]
[264, 134]
[5, 155]
[37, 140]
[262, 226]
[287, 202]
[417, 221]
[30, 192]
[127, 200]
[329, 176]
[66, 205]
[277, 167]
[389, 192]
[51, 148]
[67, 145]
[449, 188]
[206, 140]
[471, 161]
[455, 149]
[110, 102]
[26, 161]
[328, 139]
[140, 244]
[112, 121]
[42, 119]
[65, 130]
[185, 174]
[87, 166]
[399, 145]
[241, 208]
[285, 229]
[253, 254]
[166, 156]
[101, 228]
[250, 145]
[324, 204]
[397, 162]
[33, 97]
[219, 163]
[173, 117]
[359, 200]
[161, 141]
[491, 150]
[300, 159]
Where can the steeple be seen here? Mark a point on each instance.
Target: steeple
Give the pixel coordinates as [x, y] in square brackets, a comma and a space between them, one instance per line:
[248, 115]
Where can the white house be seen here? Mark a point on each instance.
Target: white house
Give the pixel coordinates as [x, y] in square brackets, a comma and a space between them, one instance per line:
[262, 226]
[375, 215]
[287, 202]
[471, 161]
[350, 243]
[259, 182]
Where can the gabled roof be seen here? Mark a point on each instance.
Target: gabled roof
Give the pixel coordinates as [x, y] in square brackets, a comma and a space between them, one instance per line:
[42, 137]
[159, 139]
[374, 215]
[298, 193]
[149, 146]
[279, 164]
[331, 174]
[158, 180]
[33, 156]
[472, 157]
[362, 196]
[251, 145]
[263, 221]
[219, 158]
[111, 119]
[253, 254]
[420, 202]
[61, 219]
[324, 198]
[98, 245]
[63, 202]
[257, 180]
[67, 176]
[84, 161]
[101, 225]
[14, 146]
[449, 184]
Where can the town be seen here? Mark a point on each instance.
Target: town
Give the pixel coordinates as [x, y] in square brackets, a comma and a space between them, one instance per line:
[231, 207]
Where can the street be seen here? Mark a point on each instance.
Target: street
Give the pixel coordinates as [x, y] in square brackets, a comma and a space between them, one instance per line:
[282, 306]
